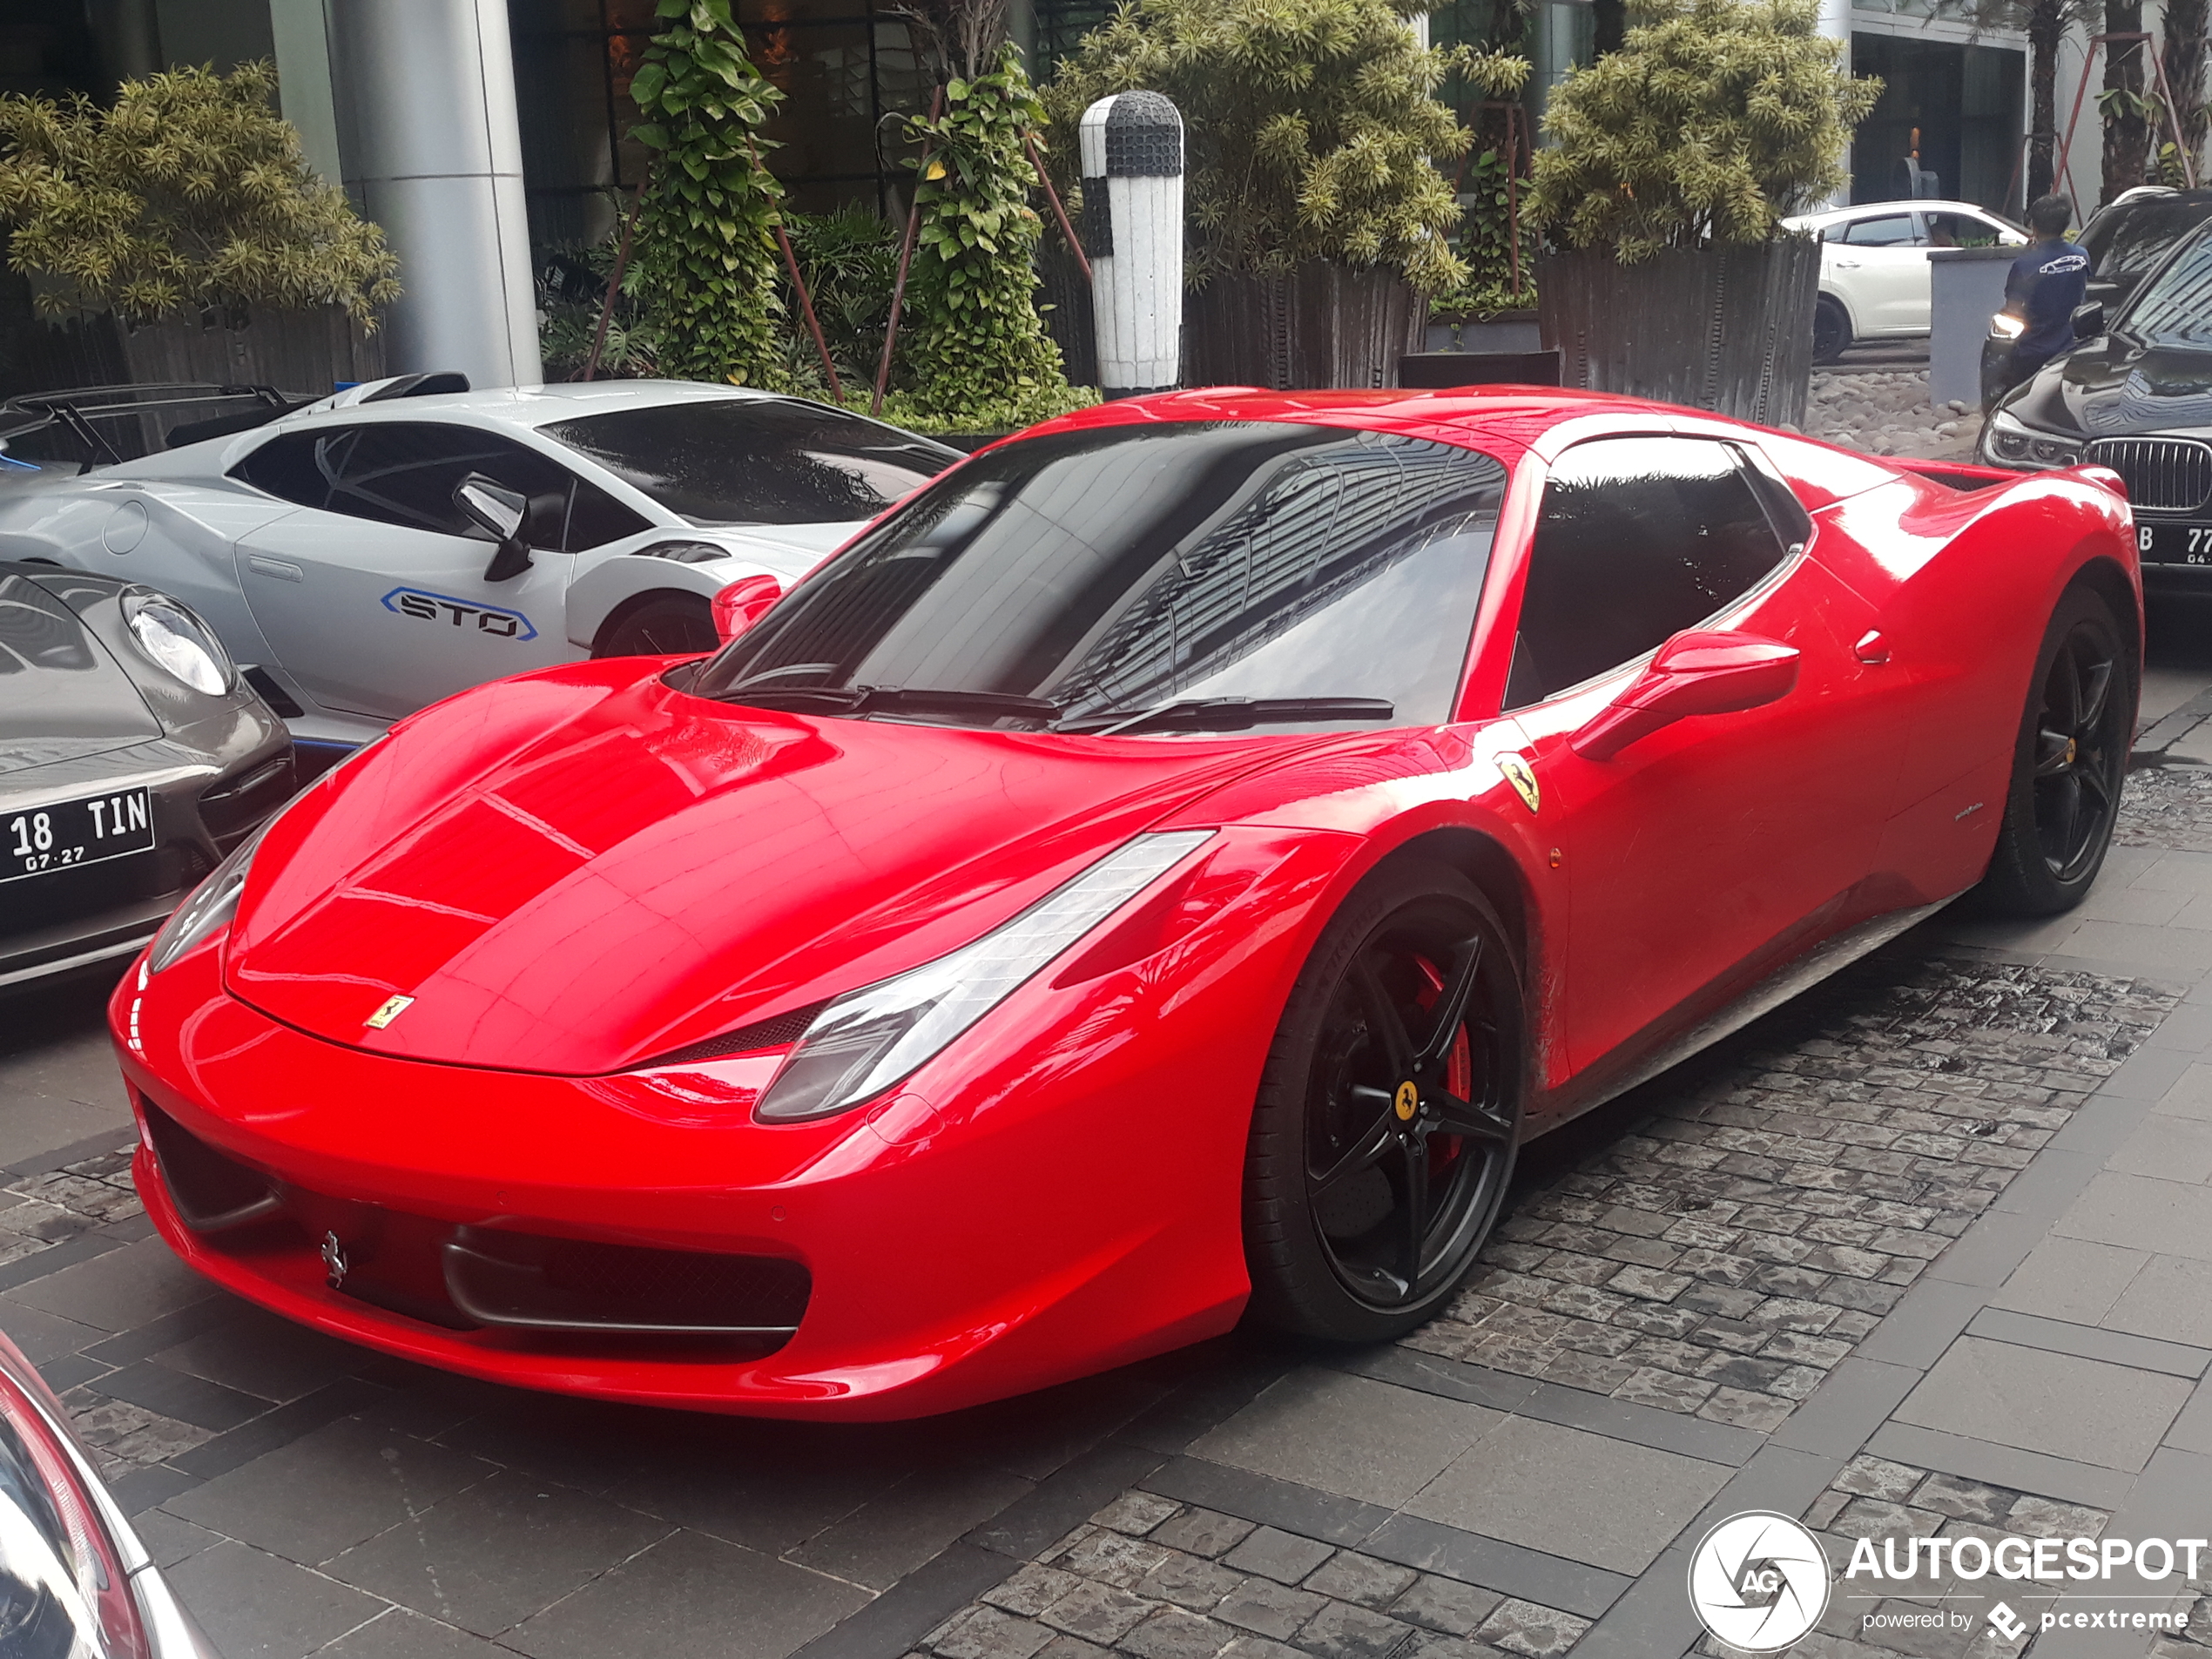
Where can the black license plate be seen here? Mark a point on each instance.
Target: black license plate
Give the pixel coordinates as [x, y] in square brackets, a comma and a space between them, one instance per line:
[66, 834]
[2174, 543]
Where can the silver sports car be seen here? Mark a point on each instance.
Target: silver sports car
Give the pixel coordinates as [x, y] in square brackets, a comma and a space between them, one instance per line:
[376, 550]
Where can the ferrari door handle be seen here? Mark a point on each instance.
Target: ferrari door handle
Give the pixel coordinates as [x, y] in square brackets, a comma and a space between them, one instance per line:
[1873, 648]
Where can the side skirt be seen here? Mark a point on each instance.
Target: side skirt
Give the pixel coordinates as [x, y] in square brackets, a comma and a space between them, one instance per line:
[1830, 956]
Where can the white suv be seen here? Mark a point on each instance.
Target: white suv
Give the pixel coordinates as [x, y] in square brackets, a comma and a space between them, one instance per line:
[1874, 264]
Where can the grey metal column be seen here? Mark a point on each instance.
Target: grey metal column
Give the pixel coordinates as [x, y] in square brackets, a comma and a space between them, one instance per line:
[427, 127]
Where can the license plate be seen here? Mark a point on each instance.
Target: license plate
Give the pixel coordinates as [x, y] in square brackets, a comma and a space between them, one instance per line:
[69, 834]
[2174, 543]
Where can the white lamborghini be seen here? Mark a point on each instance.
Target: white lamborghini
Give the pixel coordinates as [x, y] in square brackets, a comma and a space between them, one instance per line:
[376, 550]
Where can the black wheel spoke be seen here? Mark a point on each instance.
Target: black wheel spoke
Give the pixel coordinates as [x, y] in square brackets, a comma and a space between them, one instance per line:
[2095, 694]
[1372, 1145]
[2096, 791]
[1451, 1010]
[2069, 816]
[2053, 754]
[1414, 1217]
[1449, 1115]
[2064, 699]
[1385, 1022]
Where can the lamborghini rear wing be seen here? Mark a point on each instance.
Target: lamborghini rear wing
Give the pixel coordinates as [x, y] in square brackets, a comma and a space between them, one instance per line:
[98, 426]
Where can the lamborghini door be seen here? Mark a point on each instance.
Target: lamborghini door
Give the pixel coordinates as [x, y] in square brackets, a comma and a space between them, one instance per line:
[375, 599]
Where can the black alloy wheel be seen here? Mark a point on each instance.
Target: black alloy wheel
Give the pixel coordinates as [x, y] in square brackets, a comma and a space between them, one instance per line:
[1830, 329]
[1384, 1133]
[2081, 753]
[667, 624]
[2069, 765]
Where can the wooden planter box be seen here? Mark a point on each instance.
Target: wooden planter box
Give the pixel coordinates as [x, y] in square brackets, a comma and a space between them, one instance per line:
[303, 353]
[1320, 325]
[1727, 328]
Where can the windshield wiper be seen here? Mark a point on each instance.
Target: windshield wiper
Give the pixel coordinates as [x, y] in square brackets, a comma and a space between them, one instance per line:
[854, 700]
[1230, 714]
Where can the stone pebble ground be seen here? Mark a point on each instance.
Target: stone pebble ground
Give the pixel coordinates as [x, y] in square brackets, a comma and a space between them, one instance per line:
[1888, 414]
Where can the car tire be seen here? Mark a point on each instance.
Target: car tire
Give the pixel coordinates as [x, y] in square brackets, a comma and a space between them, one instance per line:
[1334, 1158]
[662, 624]
[1830, 329]
[2068, 764]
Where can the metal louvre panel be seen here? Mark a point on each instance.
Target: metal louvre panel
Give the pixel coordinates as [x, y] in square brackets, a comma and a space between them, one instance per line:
[2163, 474]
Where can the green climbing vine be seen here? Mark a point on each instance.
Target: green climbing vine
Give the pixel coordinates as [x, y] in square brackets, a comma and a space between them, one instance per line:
[708, 265]
[974, 351]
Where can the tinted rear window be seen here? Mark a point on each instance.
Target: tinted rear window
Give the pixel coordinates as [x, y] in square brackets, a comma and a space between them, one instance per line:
[757, 460]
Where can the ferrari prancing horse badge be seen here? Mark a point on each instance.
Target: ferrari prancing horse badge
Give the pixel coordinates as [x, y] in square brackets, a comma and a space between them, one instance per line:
[1518, 774]
[392, 1008]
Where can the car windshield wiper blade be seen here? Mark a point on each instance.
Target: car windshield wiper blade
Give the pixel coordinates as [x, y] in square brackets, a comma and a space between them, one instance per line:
[890, 699]
[1230, 714]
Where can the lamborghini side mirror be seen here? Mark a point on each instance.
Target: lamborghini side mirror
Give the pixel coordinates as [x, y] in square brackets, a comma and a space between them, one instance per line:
[2090, 319]
[506, 515]
[1696, 672]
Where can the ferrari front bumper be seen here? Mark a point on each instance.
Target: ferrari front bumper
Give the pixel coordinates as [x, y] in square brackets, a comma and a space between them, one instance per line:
[1058, 1195]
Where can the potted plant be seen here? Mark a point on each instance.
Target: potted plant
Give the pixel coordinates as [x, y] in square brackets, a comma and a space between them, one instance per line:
[1671, 165]
[1318, 219]
[186, 213]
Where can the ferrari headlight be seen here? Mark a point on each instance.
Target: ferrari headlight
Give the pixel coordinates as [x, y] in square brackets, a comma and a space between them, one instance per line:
[2014, 444]
[215, 902]
[863, 1044]
[178, 643]
[209, 910]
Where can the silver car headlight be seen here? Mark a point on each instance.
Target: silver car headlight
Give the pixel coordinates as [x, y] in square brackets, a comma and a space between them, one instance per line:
[864, 1042]
[178, 643]
[2011, 442]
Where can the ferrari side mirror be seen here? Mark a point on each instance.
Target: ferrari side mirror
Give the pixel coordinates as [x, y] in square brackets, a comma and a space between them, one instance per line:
[508, 516]
[1696, 672]
[2090, 319]
[744, 603]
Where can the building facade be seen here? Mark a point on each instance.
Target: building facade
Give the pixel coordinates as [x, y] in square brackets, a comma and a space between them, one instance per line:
[484, 134]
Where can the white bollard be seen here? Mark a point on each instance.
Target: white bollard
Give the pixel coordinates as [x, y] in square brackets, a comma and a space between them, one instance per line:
[1131, 150]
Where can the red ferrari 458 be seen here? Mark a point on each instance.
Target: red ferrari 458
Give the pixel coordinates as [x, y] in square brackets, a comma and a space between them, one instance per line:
[1157, 874]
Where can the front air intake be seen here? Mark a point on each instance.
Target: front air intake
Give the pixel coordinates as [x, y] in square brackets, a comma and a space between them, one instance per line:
[529, 1281]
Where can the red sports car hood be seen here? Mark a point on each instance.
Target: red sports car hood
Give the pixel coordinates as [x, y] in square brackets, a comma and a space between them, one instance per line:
[576, 871]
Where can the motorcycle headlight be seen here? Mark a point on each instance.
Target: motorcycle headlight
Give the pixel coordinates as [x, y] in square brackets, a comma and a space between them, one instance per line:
[2006, 327]
[178, 643]
[210, 907]
[863, 1044]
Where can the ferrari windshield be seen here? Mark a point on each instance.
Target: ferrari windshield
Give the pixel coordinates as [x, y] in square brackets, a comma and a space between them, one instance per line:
[757, 460]
[1328, 576]
[2174, 306]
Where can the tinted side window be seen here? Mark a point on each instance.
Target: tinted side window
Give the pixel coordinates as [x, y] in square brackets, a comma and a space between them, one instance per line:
[1638, 539]
[292, 468]
[1893, 229]
[404, 473]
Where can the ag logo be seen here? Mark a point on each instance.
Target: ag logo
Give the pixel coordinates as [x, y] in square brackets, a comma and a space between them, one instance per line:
[1758, 1582]
[461, 613]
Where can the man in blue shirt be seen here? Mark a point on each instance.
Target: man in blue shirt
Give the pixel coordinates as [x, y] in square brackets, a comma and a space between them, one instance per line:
[2045, 284]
